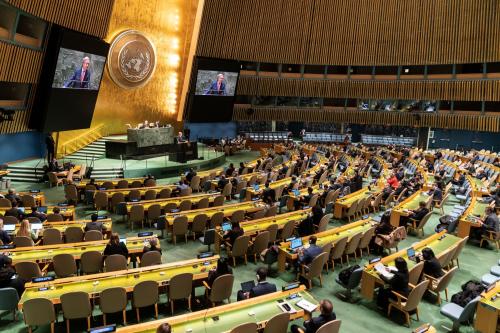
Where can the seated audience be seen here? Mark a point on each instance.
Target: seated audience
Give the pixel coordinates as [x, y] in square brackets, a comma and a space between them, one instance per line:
[114, 246]
[235, 232]
[4, 236]
[306, 256]
[230, 170]
[164, 328]
[8, 276]
[35, 213]
[489, 223]
[25, 230]
[222, 268]
[432, 267]
[12, 195]
[94, 224]
[153, 246]
[416, 214]
[398, 283]
[261, 288]
[14, 211]
[312, 325]
[268, 195]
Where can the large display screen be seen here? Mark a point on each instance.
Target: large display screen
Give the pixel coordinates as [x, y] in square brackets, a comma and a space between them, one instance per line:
[78, 70]
[71, 76]
[213, 88]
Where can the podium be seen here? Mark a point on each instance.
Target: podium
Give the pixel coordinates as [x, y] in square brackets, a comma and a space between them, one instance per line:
[129, 150]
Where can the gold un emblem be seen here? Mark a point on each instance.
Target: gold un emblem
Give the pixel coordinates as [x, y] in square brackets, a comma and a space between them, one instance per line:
[131, 59]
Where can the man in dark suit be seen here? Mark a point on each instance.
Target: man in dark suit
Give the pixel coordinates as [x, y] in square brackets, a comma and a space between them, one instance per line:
[312, 325]
[80, 77]
[94, 224]
[222, 182]
[217, 87]
[14, 211]
[306, 256]
[489, 223]
[417, 214]
[269, 195]
[35, 213]
[262, 288]
[180, 138]
[4, 236]
[51, 147]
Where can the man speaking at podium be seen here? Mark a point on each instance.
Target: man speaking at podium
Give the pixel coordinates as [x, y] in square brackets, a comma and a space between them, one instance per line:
[81, 76]
[180, 138]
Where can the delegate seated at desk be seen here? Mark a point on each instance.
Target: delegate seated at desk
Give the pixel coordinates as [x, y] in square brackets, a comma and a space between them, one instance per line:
[94, 224]
[311, 326]
[417, 214]
[489, 224]
[262, 288]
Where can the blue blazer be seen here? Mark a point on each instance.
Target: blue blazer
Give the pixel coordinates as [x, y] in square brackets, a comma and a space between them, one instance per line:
[213, 89]
[74, 80]
[309, 254]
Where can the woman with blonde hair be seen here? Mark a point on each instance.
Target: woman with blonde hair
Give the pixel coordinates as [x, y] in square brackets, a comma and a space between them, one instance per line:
[25, 230]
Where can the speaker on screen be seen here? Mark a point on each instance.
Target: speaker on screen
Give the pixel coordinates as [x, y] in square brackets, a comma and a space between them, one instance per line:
[212, 90]
[71, 76]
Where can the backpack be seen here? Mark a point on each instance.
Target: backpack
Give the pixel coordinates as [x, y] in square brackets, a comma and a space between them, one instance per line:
[470, 290]
[345, 274]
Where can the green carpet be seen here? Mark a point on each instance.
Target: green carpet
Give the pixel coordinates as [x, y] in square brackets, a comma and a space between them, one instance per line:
[356, 318]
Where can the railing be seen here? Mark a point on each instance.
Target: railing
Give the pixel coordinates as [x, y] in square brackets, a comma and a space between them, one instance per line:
[82, 140]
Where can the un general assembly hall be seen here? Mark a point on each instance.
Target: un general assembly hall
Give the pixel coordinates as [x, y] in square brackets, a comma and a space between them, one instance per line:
[244, 166]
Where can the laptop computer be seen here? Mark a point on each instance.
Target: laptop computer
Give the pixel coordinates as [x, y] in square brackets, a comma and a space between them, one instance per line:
[9, 227]
[256, 187]
[247, 286]
[410, 252]
[22, 209]
[42, 209]
[123, 240]
[226, 227]
[296, 192]
[296, 243]
[36, 226]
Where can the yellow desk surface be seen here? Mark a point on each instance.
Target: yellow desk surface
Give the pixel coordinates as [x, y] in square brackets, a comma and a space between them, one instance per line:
[45, 253]
[218, 171]
[303, 191]
[370, 277]
[347, 201]
[95, 283]
[467, 220]
[323, 238]
[38, 196]
[253, 227]
[230, 315]
[142, 190]
[410, 203]
[488, 311]
[66, 211]
[177, 200]
[228, 210]
[62, 226]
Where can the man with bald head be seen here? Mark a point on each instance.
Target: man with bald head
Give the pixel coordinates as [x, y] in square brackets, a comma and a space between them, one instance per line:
[312, 325]
[81, 76]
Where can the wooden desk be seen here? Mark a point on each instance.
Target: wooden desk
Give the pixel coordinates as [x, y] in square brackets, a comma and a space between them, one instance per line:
[177, 200]
[370, 278]
[230, 315]
[38, 196]
[68, 212]
[62, 226]
[46, 253]
[346, 202]
[467, 220]
[251, 192]
[323, 238]
[488, 311]
[228, 210]
[253, 227]
[410, 203]
[84, 182]
[142, 190]
[93, 284]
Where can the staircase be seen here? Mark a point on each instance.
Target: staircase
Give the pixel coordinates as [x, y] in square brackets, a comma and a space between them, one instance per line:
[96, 150]
[25, 174]
[106, 173]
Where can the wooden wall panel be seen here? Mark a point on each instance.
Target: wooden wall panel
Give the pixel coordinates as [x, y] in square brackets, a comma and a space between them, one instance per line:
[87, 16]
[352, 32]
[19, 64]
[339, 115]
[460, 90]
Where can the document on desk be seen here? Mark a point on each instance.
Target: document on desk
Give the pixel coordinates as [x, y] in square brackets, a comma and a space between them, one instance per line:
[307, 306]
[380, 268]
